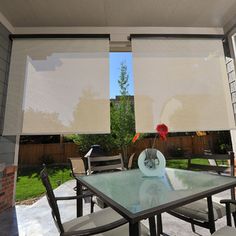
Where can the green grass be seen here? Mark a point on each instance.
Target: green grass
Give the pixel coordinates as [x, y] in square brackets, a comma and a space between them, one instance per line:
[183, 164]
[29, 184]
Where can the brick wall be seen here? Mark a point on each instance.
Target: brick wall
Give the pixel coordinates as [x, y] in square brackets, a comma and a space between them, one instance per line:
[7, 187]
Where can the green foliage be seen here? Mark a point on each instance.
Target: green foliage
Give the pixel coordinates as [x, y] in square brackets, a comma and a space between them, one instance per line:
[176, 151]
[46, 159]
[123, 80]
[69, 138]
[34, 139]
[85, 141]
[122, 115]
[223, 144]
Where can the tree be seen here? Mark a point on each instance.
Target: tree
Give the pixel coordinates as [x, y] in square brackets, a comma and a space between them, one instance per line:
[85, 141]
[122, 115]
[122, 123]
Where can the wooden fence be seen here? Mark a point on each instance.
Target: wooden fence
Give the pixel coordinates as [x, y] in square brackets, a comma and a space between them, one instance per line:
[174, 146]
[32, 154]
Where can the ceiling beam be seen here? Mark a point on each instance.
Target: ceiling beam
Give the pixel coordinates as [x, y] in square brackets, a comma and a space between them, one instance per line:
[6, 23]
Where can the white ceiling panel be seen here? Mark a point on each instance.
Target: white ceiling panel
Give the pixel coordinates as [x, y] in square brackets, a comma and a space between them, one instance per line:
[167, 13]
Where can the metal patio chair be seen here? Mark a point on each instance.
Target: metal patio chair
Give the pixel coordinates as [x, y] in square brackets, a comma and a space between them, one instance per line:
[227, 230]
[196, 213]
[106, 164]
[77, 169]
[103, 164]
[105, 222]
[77, 166]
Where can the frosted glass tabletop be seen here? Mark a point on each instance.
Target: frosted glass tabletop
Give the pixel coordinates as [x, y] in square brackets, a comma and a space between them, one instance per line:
[133, 193]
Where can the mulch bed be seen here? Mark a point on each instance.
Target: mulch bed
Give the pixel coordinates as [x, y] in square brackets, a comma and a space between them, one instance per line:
[28, 201]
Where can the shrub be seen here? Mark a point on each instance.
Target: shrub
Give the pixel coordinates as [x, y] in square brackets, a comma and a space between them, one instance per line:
[176, 151]
[47, 159]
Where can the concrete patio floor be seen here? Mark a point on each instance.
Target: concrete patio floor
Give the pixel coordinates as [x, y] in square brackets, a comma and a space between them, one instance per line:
[36, 220]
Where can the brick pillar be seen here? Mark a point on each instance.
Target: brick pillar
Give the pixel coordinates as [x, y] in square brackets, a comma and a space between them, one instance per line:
[7, 187]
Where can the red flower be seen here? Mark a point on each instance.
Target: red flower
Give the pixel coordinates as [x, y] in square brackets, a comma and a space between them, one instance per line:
[135, 138]
[162, 129]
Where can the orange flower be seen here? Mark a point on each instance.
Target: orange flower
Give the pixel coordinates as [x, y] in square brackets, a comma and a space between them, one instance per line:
[135, 138]
[201, 133]
[162, 129]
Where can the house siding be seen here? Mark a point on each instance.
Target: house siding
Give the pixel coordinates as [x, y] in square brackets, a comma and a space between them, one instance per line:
[7, 144]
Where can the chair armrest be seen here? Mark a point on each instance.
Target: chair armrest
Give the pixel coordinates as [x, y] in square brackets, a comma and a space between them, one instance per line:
[97, 230]
[74, 197]
[227, 201]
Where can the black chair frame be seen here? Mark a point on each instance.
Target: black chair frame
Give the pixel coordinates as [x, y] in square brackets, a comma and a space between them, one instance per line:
[52, 200]
[217, 169]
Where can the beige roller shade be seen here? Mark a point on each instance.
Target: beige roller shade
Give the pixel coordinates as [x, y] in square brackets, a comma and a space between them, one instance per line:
[58, 86]
[182, 83]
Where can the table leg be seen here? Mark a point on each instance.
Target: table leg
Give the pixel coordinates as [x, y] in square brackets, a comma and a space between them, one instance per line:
[211, 215]
[79, 202]
[159, 225]
[134, 229]
[152, 226]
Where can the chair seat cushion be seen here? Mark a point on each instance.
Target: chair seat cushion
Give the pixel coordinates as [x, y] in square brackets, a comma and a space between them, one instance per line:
[199, 210]
[100, 218]
[225, 231]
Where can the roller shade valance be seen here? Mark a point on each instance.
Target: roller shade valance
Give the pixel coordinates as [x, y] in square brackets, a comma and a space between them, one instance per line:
[58, 86]
[182, 83]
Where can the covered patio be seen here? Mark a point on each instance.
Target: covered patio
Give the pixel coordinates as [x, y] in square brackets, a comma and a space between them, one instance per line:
[36, 219]
[45, 46]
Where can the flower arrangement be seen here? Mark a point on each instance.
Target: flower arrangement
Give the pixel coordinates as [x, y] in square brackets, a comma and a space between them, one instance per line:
[151, 160]
[161, 129]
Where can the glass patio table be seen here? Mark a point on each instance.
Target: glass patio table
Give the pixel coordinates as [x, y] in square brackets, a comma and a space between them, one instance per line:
[137, 197]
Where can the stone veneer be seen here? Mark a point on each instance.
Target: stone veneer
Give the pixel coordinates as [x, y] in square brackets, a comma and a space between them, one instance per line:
[7, 177]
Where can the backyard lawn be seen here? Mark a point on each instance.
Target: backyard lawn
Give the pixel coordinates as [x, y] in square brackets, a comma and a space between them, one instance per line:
[183, 164]
[30, 186]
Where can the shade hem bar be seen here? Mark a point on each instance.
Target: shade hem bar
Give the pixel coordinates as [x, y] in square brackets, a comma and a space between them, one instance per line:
[191, 36]
[48, 36]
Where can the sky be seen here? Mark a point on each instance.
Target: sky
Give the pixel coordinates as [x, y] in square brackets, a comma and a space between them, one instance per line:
[115, 59]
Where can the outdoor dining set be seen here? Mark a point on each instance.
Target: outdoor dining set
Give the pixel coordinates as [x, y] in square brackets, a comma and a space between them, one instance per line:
[126, 197]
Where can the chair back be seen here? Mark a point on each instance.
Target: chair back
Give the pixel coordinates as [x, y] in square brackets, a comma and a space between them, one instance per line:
[77, 166]
[51, 200]
[130, 162]
[227, 159]
[105, 163]
[213, 166]
[211, 161]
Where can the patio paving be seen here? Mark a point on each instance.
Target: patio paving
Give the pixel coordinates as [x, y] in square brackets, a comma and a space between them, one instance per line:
[36, 220]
